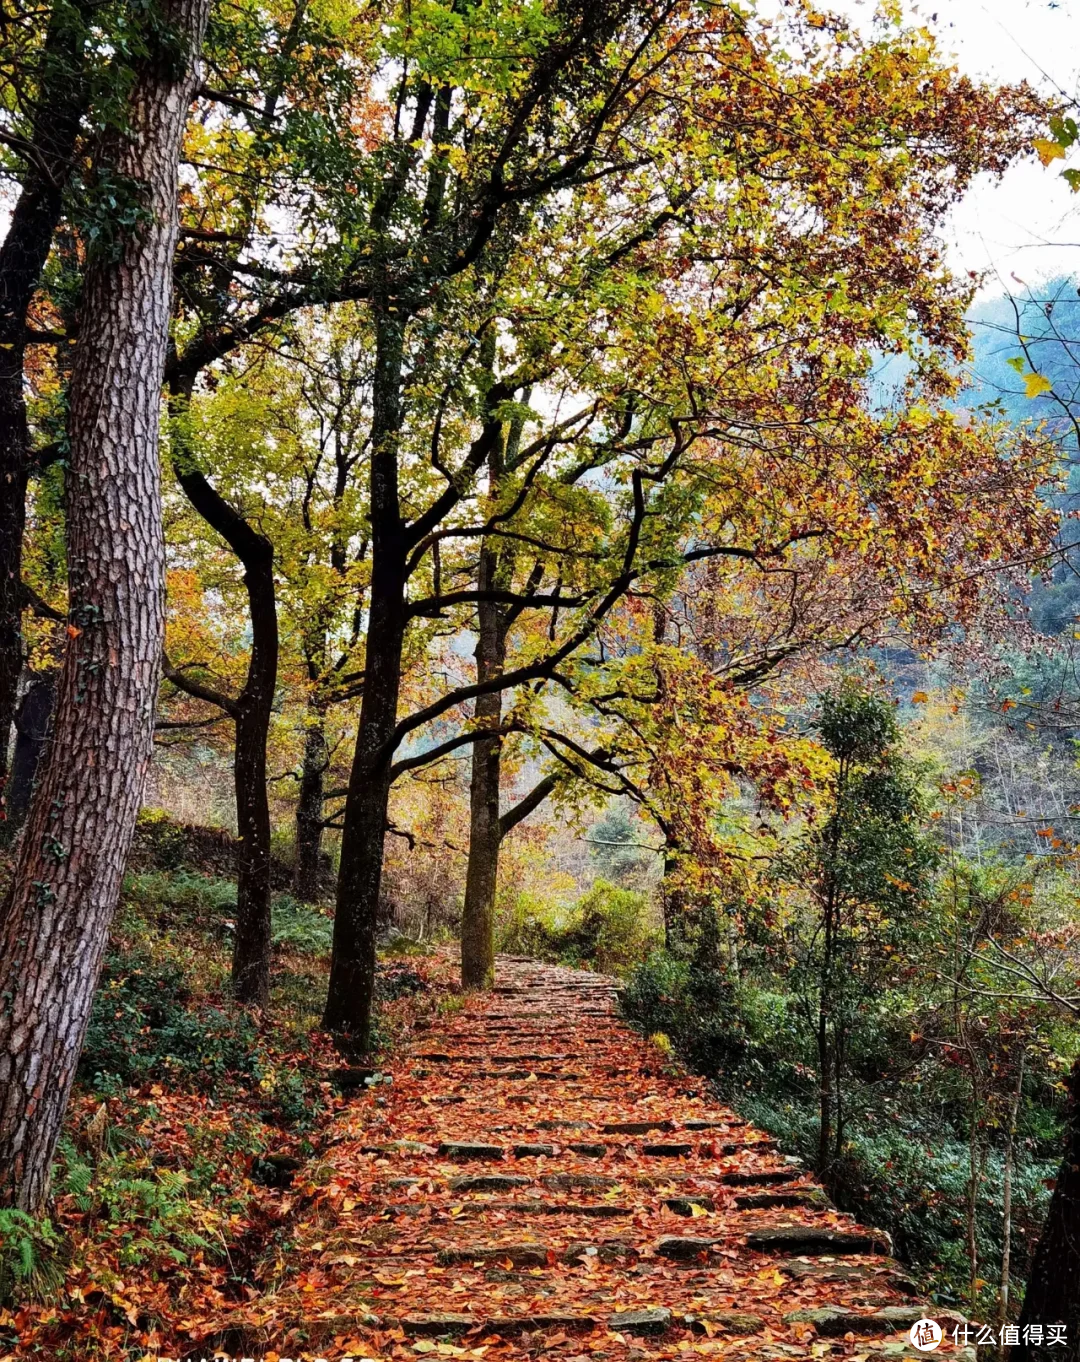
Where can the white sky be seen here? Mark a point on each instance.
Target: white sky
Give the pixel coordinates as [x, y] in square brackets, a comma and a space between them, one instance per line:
[1028, 224]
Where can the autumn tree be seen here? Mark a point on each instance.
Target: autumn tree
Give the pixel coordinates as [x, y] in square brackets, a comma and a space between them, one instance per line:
[468, 267]
[55, 918]
[282, 429]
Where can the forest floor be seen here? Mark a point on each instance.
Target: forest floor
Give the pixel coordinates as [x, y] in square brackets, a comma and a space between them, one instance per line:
[534, 1178]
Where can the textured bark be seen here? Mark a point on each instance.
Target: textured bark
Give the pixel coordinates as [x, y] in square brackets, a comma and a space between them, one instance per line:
[485, 831]
[352, 967]
[1053, 1289]
[309, 811]
[61, 98]
[55, 920]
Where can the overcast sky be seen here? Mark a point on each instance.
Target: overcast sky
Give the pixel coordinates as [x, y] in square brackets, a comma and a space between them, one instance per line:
[1029, 223]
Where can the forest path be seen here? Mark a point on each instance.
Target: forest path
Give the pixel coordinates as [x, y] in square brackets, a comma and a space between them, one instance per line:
[539, 1178]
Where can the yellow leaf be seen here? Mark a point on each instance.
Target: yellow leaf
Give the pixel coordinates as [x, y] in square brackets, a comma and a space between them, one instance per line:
[695, 1212]
[1048, 150]
[920, 698]
[423, 1345]
[1034, 384]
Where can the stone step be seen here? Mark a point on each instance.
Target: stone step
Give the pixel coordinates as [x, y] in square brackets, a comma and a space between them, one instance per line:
[488, 1182]
[635, 1323]
[516, 1075]
[761, 1201]
[713, 1123]
[635, 1127]
[717, 1148]
[398, 1147]
[531, 1059]
[768, 1177]
[682, 1205]
[667, 1151]
[462, 1151]
[578, 1182]
[564, 1125]
[816, 1269]
[597, 1210]
[834, 1321]
[685, 1248]
[809, 1240]
[588, 1151]
[519, 1255]
[533, 1151]
[606, 1251]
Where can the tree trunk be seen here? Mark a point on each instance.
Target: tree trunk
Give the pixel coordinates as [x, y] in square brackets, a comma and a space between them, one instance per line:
[672, 902]
[485, 830]
[309, 811]
[251, 948]
[824, 1157]
[55, 920]
[352, 966]
[1053, 1289]
[824, 1049]
[252, 711]
[32, 728]
[22, 257]
[1006, 1196]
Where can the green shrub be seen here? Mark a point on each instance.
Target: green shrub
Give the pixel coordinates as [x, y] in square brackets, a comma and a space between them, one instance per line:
[692, 1004]
[300, 927]
[528, 925]
[608, 929]
[144, 1026]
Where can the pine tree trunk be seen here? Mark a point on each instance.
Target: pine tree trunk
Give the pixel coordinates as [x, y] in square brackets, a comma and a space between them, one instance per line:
[309, 812]
[1053, 1289]
[352, 966]
[55, 920]
[22, 258]
[485, 831]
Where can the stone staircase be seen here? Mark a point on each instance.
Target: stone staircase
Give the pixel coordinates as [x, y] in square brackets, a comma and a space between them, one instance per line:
[537, 1177]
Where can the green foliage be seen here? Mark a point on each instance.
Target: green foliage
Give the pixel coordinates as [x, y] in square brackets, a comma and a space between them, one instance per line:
[145, 1026]
[907, 1171]
[857, 725]
[608, 929]
[181, 897]
[28, 1266]
[613, 845]
[149, 1214]
[693, 1005]
[300, 927]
